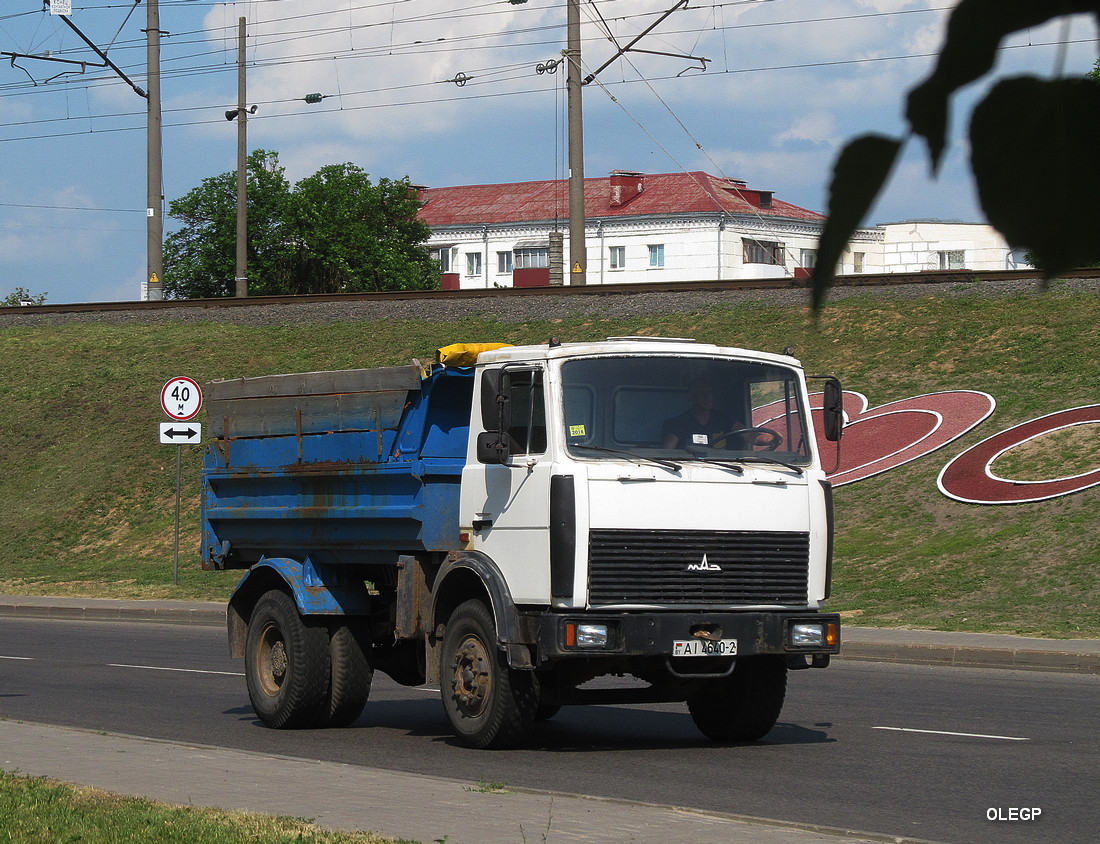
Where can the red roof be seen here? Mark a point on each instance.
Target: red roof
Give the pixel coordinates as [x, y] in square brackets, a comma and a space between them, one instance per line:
[655, 194]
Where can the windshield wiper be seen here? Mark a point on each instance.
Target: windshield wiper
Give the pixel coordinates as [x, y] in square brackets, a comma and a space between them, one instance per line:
[759, 458]
[725, 464]
[668, 464]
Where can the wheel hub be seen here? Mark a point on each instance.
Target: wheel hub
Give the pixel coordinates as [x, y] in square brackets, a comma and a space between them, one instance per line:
[272, 661]
[471, 681]
[278, 661]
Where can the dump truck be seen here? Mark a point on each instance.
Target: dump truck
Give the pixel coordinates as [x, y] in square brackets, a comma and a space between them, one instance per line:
[633, 520]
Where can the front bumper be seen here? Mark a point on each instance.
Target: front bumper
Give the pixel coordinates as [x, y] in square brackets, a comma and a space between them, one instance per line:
[651, 634]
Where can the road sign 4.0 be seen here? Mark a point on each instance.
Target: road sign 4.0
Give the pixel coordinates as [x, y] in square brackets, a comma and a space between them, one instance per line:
[181, 398]
[180, 433]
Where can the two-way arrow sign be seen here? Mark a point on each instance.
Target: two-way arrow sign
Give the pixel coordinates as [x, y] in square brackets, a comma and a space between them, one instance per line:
[181, 433]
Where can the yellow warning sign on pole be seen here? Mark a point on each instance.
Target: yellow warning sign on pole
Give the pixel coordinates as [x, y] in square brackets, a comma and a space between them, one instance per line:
[577, 268]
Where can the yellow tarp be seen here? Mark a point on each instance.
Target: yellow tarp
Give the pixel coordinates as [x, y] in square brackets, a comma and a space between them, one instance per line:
[464, 354]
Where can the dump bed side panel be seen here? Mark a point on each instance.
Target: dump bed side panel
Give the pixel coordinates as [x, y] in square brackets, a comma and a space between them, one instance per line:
[343, 467]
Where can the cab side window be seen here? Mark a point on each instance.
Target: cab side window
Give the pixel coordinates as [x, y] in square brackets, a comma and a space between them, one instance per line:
[528, 430]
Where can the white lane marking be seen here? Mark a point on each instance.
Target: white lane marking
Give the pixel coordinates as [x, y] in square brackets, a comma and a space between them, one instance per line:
[20, 658]
[949, 733]
[183, 670]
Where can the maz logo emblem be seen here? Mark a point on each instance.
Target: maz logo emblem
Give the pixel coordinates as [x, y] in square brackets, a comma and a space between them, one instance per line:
[704, 566]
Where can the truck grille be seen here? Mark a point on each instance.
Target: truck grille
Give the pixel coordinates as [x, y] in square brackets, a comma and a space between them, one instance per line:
[677, 567]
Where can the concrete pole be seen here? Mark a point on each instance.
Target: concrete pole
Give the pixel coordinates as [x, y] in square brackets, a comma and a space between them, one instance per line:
[577, 252]
[154, 238]
[242, 168]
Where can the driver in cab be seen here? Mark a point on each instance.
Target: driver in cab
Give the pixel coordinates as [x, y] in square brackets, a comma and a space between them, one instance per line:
[700, 424]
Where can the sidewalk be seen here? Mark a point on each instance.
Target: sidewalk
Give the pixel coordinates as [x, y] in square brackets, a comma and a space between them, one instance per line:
[400, 805]
[428, 809]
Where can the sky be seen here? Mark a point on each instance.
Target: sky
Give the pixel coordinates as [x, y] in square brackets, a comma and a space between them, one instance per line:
[766, 91]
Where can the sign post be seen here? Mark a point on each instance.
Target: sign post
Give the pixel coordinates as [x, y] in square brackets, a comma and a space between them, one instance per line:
[181, 399]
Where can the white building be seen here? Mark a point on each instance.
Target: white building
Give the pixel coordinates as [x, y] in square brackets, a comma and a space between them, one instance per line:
[668, 227]
[913, 246]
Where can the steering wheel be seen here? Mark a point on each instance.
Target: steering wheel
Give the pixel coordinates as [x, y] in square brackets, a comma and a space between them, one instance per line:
[765, 437]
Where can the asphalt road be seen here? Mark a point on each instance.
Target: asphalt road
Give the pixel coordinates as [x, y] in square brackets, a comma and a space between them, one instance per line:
[918, 751]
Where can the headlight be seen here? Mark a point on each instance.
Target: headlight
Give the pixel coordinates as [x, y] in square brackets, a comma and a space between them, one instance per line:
[586, 635]
[807, 635]
[813, 634]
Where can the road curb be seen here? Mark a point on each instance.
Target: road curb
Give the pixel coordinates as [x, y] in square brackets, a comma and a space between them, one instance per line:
[972, 657]
[212, 615]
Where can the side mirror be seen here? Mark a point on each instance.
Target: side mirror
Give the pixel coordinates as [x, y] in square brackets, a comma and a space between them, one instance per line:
[492, 447]
[833, 409]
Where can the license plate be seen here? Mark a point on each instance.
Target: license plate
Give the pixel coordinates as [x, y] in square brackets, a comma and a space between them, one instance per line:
[702, 647]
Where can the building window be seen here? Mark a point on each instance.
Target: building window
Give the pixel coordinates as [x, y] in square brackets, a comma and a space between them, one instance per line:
[536, 258]
[504, 262]
[857, 262]
[808, 258]
[617, 256]
[657, 255]
[764, 252]
[954, 259]
[442, 256]
[473, 263]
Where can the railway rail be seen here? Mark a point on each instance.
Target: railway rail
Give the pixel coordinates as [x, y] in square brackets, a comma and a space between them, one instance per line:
[862, 280]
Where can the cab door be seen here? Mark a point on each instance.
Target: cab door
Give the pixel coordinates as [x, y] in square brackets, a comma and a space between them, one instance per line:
[505, 497]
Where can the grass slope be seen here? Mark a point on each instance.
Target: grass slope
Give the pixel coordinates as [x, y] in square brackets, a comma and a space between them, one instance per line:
[88, 493]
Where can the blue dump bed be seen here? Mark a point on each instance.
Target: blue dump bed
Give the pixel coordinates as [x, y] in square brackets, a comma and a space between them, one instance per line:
[342, 467]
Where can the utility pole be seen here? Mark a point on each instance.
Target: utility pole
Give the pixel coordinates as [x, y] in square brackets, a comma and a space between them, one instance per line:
[242, 168]
[154, 237]
[578, 258]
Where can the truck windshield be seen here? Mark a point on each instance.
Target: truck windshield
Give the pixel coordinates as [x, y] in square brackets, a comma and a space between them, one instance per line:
[683, 409]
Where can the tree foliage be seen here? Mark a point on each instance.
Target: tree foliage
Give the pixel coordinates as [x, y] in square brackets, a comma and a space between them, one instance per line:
[200, 258]
[1033, 142]
[333, 232]
[21, 295]
[351, 235]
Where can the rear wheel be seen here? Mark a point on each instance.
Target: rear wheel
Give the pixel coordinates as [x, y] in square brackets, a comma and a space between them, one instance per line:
[487, 703]
[351, 675]
[745, 705]
[286, 663]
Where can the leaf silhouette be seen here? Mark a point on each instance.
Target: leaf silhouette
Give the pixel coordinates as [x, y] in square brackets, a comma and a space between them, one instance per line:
[974, 34]
[1034, 146]
[858, 176]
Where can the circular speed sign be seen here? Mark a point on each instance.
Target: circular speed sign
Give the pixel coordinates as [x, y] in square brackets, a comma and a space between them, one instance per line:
[181, 398]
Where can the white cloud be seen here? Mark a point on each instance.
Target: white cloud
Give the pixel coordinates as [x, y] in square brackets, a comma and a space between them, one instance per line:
[817, 128]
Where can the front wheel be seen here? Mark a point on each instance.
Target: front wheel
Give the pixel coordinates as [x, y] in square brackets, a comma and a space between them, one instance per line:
[488, 704]
[745, 705]
[286, 663]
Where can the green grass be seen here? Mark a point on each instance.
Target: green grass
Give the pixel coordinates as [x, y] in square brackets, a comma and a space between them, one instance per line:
[88, 491]
[39, 811]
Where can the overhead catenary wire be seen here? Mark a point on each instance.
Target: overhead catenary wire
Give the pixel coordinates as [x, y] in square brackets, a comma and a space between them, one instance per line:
[453, 43]
[521, 92]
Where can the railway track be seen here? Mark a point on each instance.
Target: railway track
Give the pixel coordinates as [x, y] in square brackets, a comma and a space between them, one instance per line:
[602, 290]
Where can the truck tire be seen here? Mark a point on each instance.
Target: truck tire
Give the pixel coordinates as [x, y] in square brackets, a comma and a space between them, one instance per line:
[745, 705]
[286, 663]
[488, 704]
[351, 675]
